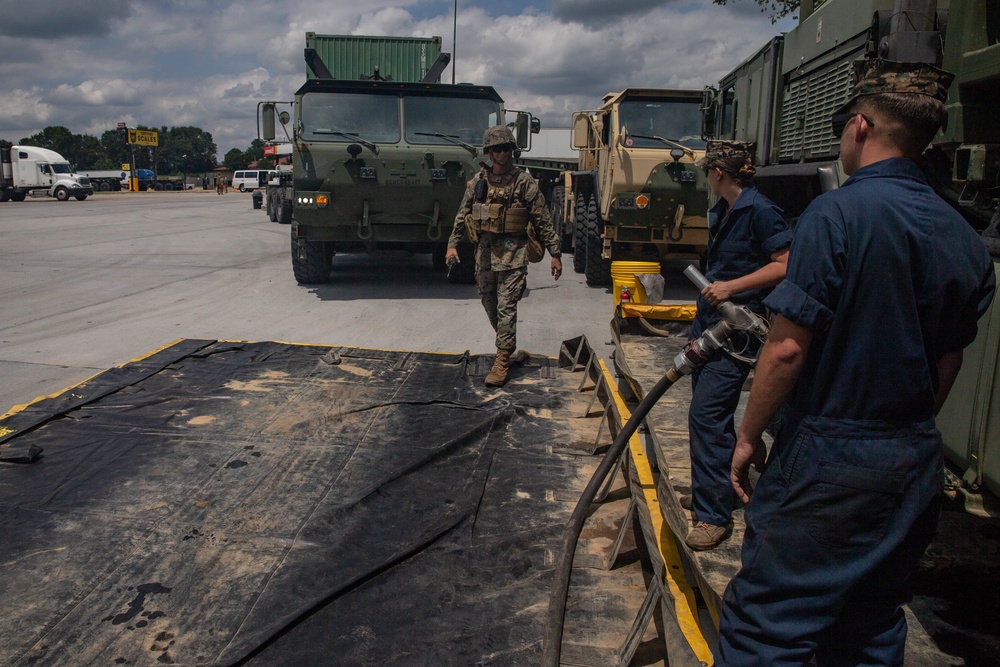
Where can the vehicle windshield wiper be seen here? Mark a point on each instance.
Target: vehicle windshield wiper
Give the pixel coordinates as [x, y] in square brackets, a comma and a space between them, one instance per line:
[453, 139]
[669, 142]
[349, 135]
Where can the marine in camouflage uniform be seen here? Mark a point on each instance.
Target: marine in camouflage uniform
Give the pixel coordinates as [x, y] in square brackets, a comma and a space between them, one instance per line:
[500, 204]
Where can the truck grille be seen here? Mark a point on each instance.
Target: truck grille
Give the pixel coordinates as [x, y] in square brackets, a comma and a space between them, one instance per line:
[807, 106]
[84, 180]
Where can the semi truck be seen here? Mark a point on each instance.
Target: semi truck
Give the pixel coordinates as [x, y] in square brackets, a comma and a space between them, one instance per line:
[636, 193]
[381, 151]
[25, 169]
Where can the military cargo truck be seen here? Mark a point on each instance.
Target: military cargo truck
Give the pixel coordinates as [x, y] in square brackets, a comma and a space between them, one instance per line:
[637, 194]
[380, 156]
[782, 98]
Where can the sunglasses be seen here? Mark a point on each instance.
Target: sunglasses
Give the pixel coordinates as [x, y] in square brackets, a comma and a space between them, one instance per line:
[839, 121]
[505, 148]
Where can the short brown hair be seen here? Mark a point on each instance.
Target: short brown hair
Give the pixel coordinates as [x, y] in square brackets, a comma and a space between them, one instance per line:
[918, 116]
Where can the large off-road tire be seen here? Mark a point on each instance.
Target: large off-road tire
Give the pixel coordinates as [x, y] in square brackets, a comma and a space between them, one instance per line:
[81, 197]
[598, 271]
[464, 273]
[580, 235]
[62, 194]
[314, 268]
[272, 206]
[285, 211]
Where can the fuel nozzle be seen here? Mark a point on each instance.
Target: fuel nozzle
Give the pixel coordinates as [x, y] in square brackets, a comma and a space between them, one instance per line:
[735, 319]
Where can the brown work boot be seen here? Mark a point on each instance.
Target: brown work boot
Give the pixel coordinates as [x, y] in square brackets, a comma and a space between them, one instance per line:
[498, 374]
[705, 536]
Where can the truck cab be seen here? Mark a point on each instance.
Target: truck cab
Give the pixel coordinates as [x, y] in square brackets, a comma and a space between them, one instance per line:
[24, 169]
[638, 194]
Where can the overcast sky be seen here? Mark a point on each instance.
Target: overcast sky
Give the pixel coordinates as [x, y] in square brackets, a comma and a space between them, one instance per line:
[90, 64]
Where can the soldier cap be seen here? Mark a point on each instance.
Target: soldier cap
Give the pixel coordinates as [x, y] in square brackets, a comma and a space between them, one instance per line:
[721, 150]
[498, 136]
[873, 77]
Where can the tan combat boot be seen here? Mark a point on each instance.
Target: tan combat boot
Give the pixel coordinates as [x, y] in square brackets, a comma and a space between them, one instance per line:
[498, 374]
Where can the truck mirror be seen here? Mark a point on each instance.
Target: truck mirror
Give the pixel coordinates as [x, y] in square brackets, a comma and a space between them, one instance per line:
[581, 131]
[522, 127]
[536, 126]
[283, 117]
[709, 105]
[267, 117]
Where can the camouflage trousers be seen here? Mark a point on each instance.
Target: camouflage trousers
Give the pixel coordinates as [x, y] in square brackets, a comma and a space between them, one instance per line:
[500, 291]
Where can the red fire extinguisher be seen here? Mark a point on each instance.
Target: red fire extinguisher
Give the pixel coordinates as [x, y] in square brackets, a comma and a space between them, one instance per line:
[625, 296]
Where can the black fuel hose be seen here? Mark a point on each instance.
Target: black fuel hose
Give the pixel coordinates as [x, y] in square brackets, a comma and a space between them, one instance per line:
[552, 643]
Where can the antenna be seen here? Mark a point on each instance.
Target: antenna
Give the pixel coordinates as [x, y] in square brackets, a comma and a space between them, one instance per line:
[454, 38]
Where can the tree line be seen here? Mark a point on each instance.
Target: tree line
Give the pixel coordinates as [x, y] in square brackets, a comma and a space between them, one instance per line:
[181, 150]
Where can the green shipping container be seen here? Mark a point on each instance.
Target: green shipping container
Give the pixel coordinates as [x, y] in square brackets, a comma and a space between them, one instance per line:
[354, 57]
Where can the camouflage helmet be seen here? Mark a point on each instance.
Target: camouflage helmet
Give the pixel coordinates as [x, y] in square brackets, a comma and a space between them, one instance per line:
[721, 150]
[498, 136]
[875, 76]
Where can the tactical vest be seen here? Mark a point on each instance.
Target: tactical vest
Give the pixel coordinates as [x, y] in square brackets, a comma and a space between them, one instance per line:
[498, 213]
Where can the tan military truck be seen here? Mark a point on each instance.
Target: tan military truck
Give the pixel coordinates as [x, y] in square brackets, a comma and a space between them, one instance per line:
[637, 194]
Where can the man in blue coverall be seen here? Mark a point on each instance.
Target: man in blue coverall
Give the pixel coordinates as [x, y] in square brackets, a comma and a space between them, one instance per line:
[884, 287]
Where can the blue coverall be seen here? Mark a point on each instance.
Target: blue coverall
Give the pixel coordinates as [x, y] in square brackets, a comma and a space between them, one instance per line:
[887, 278]
[740, 241]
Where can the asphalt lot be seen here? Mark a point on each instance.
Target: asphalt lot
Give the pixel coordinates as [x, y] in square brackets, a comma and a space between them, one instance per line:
[88, 285]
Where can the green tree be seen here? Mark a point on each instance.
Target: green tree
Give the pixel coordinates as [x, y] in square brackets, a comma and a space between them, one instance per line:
[55, 138]
[5, 144]
[235, 159]
[116, 149]
[776, 9]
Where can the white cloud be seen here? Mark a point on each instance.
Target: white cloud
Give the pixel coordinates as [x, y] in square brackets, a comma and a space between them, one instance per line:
[208, 62]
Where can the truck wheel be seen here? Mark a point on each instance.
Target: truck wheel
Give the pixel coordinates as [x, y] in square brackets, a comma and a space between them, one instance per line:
[18, 196]
[314, 268]
[80, 197]
[62, 194]
[285, 212]
[464, 273]
[580, 235]
[272, 208]
[598, 269]
[4, 196]
[104, 187]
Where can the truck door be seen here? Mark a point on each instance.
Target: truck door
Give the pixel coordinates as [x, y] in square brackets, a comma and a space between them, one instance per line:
[45, 174]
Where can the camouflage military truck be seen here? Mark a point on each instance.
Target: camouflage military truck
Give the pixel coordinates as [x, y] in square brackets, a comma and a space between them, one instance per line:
[381, 155]
[637, 194]
[782, 98]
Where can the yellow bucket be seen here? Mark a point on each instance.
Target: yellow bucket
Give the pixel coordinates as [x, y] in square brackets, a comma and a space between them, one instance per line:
[623, 275]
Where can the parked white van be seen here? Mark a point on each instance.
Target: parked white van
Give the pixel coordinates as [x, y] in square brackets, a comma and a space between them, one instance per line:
[252, 179]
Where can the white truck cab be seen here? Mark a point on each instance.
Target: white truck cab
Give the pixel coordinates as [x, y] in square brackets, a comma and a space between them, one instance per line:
[27, 168]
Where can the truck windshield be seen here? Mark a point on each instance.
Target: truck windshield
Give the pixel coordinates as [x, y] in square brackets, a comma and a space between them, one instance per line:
[463, 119]
[61, 168]
[343, 117]
[678, 120]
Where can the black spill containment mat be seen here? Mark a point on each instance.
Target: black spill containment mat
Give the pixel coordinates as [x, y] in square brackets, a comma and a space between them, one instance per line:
[277, 504]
